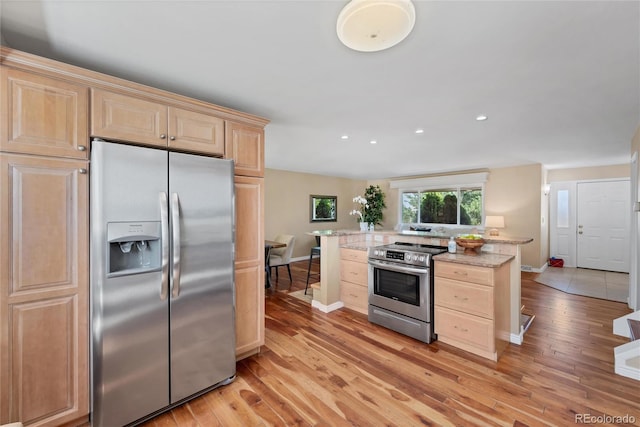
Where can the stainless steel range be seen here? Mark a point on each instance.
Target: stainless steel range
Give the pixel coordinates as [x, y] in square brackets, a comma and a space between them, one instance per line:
[401, 288]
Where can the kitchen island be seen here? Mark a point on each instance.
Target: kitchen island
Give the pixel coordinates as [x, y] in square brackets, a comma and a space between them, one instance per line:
[326, 295]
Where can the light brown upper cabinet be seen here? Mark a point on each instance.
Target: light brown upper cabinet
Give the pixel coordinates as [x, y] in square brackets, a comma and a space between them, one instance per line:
[127, 118]
[245, 145]
[43, 116]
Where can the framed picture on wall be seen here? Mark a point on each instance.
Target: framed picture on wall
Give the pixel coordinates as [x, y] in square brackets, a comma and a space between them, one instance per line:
[323, 208]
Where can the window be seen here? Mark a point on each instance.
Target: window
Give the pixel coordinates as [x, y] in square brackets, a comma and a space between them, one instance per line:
[446, 199]
[457, 206]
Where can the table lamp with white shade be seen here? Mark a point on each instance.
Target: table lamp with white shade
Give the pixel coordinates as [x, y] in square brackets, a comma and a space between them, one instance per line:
[493, 222]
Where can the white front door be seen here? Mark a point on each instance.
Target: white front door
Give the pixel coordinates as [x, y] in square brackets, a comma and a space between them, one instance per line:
[562, 222]
[603, 225]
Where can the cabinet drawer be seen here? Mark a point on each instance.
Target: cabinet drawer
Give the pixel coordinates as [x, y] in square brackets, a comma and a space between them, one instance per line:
[467, 273]
[354, 272]
[464, 296]
[353, 255]
[473, 330]
[354, 296]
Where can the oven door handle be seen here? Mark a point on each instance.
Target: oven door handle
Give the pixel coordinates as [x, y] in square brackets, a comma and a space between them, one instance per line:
[395, 267]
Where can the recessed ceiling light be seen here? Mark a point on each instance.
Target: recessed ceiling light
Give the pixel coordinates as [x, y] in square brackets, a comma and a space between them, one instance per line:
[373, 141]
[344, 137]
[419, 131]
[481, 118]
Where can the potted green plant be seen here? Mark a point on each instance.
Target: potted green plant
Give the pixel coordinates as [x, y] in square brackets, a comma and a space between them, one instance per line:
[375, 204]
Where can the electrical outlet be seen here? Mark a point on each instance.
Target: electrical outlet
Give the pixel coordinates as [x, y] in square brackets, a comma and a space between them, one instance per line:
[378, 238]
[487, 248]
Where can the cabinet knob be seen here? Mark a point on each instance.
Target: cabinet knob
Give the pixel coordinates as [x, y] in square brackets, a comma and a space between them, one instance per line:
[81, 148]
[163, 136]
[82, 170]
[173, 138]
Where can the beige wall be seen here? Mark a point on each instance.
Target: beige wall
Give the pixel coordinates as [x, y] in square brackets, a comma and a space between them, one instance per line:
[286, 209]
[516, 193]
[596, 172]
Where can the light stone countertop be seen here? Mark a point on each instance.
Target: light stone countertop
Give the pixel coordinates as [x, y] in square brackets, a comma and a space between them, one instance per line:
[434, 235]
[483, 260]
[362, 245]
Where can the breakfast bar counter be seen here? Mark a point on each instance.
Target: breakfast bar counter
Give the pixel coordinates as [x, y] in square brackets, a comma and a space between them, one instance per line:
[326, 295]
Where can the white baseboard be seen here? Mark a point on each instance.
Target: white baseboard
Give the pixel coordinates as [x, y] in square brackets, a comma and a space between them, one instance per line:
[326, 308]
[531, 269]
[301, 258]
[516, 338]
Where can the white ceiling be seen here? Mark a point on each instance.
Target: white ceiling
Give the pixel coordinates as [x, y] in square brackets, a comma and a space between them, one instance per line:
[559, 80]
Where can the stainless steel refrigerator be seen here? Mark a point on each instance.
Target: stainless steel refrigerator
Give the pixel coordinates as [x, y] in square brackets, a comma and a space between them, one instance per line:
[162, 279]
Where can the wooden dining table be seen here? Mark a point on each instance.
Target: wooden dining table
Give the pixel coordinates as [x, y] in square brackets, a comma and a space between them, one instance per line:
[268, 245]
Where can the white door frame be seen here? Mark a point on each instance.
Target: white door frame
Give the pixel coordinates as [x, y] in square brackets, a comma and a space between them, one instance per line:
[634, 268]
[562, 239]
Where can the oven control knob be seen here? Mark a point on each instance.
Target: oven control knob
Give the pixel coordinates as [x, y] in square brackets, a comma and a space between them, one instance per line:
[421, 258]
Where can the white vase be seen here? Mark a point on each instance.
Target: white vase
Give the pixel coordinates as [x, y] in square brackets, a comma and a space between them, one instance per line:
[371, 226]
[364, 226]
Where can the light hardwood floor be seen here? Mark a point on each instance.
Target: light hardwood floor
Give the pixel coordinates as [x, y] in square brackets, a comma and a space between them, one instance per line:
[337, 369]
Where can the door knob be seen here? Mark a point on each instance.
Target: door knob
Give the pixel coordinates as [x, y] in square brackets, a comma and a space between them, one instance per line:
[579, 226]
[579, 232]
[173, 138]
[163, 136]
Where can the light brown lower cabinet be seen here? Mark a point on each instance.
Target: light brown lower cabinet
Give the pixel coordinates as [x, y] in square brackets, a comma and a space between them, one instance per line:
[249, 264]
[43, 290]
[472, 307]
[354, 270]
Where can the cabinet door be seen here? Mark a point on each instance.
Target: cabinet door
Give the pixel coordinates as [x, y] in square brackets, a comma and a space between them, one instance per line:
[249, 196]
[42, 115]
[249, 310]
[125, 118]
[196, 132]
[43, 290]
[245, 145]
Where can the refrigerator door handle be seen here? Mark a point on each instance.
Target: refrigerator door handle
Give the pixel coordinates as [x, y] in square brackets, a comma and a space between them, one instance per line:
[164, 237]
[175, 227]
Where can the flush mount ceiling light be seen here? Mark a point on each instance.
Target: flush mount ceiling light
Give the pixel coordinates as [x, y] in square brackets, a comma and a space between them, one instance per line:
[481, 118]
[373, 25]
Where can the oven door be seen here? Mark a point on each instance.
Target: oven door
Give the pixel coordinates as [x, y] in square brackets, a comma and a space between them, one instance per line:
[400, 288]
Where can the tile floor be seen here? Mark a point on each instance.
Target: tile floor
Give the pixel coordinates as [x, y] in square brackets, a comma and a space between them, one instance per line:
[591, 283]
